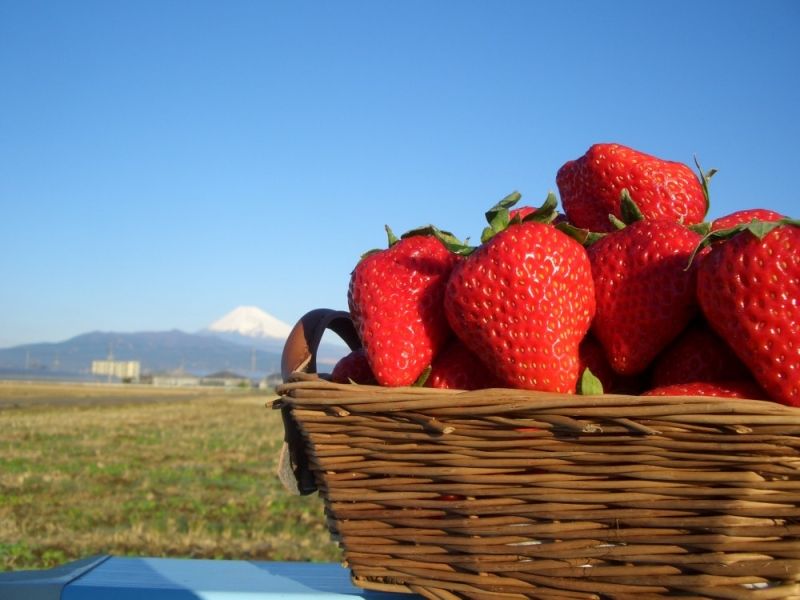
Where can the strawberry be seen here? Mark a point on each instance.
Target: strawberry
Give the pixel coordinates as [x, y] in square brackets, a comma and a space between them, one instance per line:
[645, 294]
[590, 187]
[742, 217]
[698, 354]
[740, 388]
[353, 368]
[748, 287]
[396, 302]
[456, 367]
[522, 302]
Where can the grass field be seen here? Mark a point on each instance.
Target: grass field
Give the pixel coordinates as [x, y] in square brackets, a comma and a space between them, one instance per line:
[136, 470]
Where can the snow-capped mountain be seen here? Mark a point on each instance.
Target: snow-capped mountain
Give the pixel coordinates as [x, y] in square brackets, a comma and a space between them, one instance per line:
[250, 326]
[251, 321]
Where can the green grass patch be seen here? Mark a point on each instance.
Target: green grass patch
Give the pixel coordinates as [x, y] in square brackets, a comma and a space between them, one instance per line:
[193, 476]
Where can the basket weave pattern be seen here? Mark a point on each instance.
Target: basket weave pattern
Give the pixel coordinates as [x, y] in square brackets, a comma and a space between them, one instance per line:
[509, 494]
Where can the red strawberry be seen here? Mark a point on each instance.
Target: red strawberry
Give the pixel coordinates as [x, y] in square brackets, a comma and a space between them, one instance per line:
[590, 187]
[522, 302]
[456, 367]
[645, 294]
[748, 287]
[698, 354]
[741, 388]
[353, 367]
[742, 217]
[396, 301]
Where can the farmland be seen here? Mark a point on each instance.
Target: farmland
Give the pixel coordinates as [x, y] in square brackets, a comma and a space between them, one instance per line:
[136, 470]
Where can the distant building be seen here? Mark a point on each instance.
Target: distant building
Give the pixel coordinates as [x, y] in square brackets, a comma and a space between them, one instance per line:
[122, 369]
[226, 379]
[270, 381]
[177, 378]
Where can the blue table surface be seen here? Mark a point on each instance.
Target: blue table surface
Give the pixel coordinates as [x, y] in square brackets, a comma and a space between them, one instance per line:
[186, 579]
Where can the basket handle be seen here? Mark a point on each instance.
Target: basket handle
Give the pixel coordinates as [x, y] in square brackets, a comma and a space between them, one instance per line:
[300, 354]
[300, 350]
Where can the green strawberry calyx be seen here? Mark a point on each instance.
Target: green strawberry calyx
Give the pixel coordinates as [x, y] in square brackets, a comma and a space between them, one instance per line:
[629, 211]
[392, 239]
[423, 377]
[702, 229]
[589, 384]
[499, 219]
[755, 227]
[584, 237]
[499, 216]
[448, 239]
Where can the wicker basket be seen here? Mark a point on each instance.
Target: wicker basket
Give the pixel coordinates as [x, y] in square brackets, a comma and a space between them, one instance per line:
[508, 494]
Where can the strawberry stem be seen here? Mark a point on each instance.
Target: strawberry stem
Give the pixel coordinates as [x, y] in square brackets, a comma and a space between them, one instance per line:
[705, 178]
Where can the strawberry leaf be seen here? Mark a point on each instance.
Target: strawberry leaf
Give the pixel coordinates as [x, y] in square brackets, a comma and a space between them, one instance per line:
[546, 213]
[630, 211]
[761, 228]
[755, 227]
[393, 239]
[582, 236]
[616, 222]
[703, 228]
[423, 377]
[369, 253]
[498, 216]
[589, 384]
[451, 242]
[499, 222]
[504, 204]
[705, 178]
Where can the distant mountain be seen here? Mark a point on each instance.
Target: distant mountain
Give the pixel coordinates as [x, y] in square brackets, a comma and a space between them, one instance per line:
[252, 327]
[156, 351]
[251, 321]
[247, 341]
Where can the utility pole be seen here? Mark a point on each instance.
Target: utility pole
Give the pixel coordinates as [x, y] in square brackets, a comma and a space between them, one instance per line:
[110, 360]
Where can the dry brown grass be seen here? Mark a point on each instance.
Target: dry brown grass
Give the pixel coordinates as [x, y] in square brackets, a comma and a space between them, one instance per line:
[137, 470]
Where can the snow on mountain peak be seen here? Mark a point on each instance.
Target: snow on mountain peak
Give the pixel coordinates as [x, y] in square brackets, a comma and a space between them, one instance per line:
[251, 321]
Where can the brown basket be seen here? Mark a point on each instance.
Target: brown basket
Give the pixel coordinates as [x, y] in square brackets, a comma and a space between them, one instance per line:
[509, 494]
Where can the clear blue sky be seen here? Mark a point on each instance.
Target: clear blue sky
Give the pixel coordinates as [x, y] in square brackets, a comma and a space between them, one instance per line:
[164, 162]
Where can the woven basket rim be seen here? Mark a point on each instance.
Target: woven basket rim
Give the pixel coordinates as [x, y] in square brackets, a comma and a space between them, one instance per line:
[308, 389]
